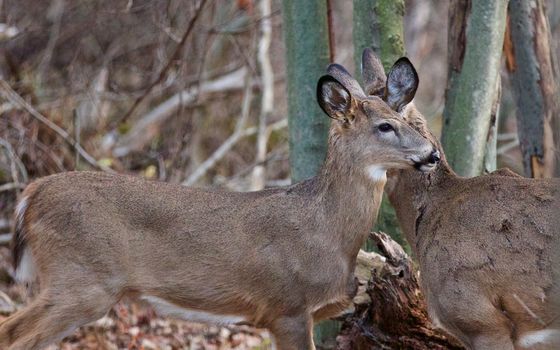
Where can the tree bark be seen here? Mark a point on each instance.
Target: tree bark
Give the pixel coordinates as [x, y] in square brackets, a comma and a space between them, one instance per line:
[476, 36]
[379, 24]
[306, 35]
[390, 312]
[533, 72]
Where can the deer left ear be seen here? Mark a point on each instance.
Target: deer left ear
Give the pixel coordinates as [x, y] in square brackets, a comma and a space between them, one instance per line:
[402, 82]
[334, 99]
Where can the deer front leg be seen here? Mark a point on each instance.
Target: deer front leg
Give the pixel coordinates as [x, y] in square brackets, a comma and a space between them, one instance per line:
[293, 332]
[331, 310]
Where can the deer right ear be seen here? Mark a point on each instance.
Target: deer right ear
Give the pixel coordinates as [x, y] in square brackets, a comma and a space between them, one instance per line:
[402, 82]
[334, 99]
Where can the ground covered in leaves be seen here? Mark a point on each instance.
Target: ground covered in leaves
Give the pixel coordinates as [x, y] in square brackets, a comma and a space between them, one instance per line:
[134, 326]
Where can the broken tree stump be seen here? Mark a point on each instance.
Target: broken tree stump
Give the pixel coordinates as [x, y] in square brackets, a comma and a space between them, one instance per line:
[389, 309]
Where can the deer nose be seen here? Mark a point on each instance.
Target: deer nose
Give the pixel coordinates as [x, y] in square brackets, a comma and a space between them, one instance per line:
[434, 157]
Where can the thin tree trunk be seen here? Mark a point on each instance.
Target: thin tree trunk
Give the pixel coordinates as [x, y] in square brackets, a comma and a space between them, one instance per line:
[306, 35]
[267, 98]
[379, 24]
[476, 36]
[308, 52]
[534, 78]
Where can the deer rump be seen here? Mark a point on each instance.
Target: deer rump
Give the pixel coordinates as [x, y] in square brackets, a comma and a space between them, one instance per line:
[490, 250]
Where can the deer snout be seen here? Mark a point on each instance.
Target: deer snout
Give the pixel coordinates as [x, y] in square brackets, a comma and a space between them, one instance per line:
[428, 163]
[434, 157]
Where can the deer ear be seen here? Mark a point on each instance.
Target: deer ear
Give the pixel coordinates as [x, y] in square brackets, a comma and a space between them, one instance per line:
[373, 73]
[402, 82]
[334, 99]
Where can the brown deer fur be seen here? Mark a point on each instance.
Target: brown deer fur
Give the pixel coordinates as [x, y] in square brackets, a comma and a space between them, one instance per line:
[488, 247]
[279, 258]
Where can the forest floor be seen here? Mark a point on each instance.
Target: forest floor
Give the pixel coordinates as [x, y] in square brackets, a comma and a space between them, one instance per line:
[134, 326]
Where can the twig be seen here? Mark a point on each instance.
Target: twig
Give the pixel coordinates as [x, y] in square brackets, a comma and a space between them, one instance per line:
[272, 156]
[505, 148]
[232, 140]
[12, 186]
[4, 224]
[267, 100]
[170, 62]
[15, 162]
[16, 99]
[5, 238]
[55, 12]
[144, 128]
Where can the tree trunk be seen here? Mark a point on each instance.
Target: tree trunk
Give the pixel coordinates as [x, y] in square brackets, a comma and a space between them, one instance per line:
[390, 311]
[476, 36]
[379, 24]
[532, 68]
[306, 35]
[490, 154]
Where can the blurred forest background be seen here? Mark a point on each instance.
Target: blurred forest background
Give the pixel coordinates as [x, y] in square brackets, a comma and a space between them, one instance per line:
[190, 92]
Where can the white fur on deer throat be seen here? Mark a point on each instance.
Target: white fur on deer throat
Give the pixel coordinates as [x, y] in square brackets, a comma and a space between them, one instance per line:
[377, 173]
[549, 337]
[164, 308]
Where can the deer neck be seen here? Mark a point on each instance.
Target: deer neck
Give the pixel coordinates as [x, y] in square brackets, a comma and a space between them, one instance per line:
[411, 192]
[350, 196]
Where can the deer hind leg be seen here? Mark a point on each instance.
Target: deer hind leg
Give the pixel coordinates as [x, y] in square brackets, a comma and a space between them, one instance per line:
[293, 333]
[479, 325]
[52, 316]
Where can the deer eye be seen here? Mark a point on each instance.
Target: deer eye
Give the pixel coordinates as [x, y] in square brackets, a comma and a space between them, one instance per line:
[385, 127]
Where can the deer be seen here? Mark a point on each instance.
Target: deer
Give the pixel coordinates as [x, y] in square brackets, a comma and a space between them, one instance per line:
[488, 247]
[281, 258]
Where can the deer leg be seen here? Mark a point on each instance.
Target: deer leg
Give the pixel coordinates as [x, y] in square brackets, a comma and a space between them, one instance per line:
[331, 310]
[51, 317]
[293, 333]
[481, 327]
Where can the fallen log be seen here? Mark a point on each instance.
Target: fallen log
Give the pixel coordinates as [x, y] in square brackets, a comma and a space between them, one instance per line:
[389, 309]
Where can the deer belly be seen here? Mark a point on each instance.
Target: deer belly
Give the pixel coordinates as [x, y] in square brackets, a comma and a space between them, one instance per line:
[165, 308]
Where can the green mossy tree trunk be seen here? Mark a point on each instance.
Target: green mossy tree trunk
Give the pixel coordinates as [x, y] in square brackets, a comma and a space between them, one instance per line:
[379, 24]
[476, 36]
[306, 35]
[532, 68]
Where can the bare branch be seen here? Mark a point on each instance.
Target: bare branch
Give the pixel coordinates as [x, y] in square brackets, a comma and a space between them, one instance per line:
[12, 96]
[15, 162]
[281, 124]
[5, 238]
[169, 64]
[258, 180]
[12, 186]
[145, 128]
[230, 142]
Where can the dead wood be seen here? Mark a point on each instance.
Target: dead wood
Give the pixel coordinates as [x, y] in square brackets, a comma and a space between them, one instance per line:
[390, 310]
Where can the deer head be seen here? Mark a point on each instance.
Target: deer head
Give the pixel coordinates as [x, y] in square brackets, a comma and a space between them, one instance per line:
[370, 127]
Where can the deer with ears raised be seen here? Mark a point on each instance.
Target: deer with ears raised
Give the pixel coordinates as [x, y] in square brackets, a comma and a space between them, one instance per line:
[279, 258]
[488, 247]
